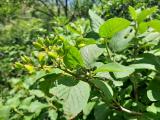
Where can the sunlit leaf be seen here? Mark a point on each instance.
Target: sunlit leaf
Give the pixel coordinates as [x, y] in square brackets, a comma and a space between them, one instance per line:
[121, 40]
[145, 13]
[73, 94]
[96, 21]
[112, 26]
[90, 54]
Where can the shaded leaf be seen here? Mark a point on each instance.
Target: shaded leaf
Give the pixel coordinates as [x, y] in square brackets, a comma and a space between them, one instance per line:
[101, 111]
[105, 88]
[72, 58]
[153, 92]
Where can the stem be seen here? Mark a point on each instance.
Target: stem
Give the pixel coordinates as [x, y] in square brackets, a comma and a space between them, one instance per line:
[107, 48]
[17, 111]
[129, 111]
[67, 71]
[121, 108]
[50, 103]
[134, 56]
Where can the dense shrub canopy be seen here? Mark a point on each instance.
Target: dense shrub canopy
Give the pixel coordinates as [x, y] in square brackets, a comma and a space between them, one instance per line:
[79, 60]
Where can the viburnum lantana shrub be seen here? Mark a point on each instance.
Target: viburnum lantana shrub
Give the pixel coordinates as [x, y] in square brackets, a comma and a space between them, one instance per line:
[91, 70]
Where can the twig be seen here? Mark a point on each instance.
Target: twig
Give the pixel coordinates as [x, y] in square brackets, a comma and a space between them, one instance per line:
[121, 108]
[129, 111]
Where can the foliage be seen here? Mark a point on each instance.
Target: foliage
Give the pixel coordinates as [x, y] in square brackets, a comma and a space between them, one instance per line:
[87, 69]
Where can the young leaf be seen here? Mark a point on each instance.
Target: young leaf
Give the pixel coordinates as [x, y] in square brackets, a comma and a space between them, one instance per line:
[143, 26]
[133, 13]
[121, 40]
[112, 26]
[105, 88]
[155, 24]
[96, 21]
[73, 58]
[145, 13]
[73, 94]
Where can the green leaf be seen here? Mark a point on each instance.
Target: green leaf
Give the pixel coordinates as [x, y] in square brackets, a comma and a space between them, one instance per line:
[112, 26]
[37, 93]
[73, 94]
[105, 88]
[118, 70]
[153, 92]
[155, 24]
[73, 28]
[119, 75]
[88, 108]
[26, 102]
[36, 107]
[13, 102]
[28, 117]
[90, 54]
[151, 37]
[72, 58]
[4, 112]
[52, 114]
[101, 111]
[113, 67]
[148, 58]
[152, 108]
[145, 13]
[96, 21]
[133, 13]
[121, 40]
[143, 66]
[143, 26]
[48, 82]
